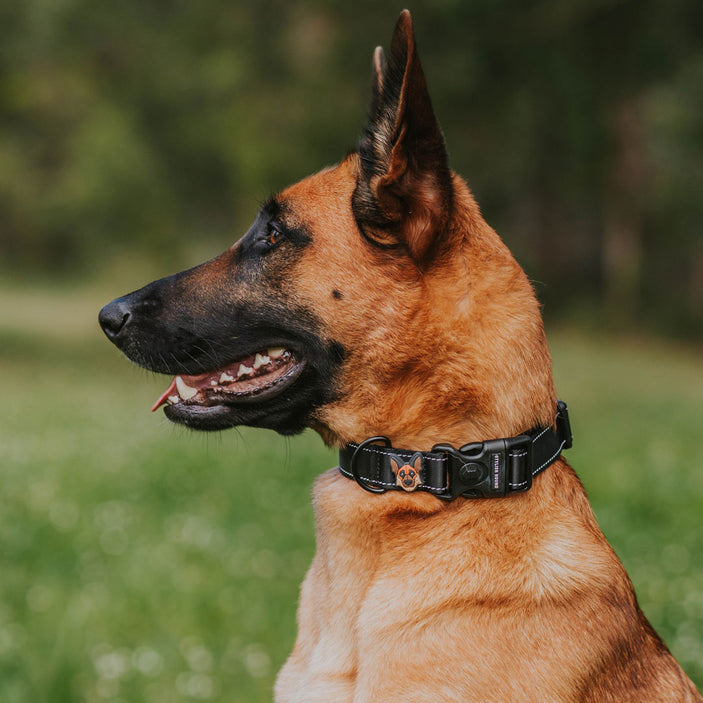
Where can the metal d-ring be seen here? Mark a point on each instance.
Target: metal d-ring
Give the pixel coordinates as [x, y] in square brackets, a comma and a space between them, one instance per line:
[355, 472]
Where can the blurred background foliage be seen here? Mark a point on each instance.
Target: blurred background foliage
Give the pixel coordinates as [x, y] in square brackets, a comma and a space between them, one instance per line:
[155, 129]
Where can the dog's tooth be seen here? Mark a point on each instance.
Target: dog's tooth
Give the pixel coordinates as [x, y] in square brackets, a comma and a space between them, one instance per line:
[225, 377]
[260, 361]
[244, 371]
[173, 399]
[276, 352]
[184, 390]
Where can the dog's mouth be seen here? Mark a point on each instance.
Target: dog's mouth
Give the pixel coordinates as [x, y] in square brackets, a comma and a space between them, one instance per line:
[250, 379]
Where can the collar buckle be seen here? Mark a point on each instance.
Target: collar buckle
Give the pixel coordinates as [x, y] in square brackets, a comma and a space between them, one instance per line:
[487, 469]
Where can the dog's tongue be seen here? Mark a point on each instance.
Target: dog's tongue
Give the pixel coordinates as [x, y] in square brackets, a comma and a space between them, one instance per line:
[164, 395]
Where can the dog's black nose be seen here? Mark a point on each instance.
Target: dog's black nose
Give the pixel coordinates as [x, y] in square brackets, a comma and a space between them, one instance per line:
[114, 317]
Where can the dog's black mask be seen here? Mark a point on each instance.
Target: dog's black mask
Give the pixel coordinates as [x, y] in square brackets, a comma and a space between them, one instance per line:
[246, 354]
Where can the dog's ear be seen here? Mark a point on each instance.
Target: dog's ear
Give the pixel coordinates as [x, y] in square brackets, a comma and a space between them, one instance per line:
[417, 462]
[404, 188]
[395, 465]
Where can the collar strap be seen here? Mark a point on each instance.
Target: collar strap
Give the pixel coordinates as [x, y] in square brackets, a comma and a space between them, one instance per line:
[489, 469]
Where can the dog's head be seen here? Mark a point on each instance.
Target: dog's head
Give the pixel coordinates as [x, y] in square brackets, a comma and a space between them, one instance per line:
[369, 298]
[407, 476]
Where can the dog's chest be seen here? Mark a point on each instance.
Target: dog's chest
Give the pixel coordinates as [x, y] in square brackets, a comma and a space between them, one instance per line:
[366, 596]
[421, 600]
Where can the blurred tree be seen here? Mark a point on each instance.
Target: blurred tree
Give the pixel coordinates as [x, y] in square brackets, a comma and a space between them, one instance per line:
[561, 92]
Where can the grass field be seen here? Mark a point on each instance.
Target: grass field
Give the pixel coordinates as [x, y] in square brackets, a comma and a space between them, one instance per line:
[141, 562]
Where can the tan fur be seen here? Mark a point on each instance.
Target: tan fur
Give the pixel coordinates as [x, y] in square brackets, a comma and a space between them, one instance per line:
[519, 599]
[425, 582]
[392, 311]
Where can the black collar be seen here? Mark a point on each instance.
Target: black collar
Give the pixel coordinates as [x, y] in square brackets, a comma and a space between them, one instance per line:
[489, 469]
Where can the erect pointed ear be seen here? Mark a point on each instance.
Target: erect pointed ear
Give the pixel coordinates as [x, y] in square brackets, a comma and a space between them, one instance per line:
[395, 465]
[404, 188]
[417, 462]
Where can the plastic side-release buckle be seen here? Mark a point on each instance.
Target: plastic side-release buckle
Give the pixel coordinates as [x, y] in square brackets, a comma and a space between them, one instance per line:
[487, 469]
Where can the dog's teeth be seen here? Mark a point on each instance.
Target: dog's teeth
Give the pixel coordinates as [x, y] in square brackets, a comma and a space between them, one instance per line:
[260, 361]
[213, 382]
[276, 352]
[225, 377]
[173, 399]
[184, 390]
[244, 371]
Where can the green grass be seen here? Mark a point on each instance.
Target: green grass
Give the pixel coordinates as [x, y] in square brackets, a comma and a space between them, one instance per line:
[142, 562]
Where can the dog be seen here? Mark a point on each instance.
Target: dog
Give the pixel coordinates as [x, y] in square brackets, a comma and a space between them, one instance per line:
[372, 303]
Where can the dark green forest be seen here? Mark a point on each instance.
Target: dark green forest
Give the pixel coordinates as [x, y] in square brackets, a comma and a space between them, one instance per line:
[154, 129]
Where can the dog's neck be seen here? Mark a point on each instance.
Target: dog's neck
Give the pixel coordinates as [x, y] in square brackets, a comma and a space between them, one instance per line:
[486, 373]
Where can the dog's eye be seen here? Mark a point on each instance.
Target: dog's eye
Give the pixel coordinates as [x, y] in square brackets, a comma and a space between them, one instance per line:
[274, 235]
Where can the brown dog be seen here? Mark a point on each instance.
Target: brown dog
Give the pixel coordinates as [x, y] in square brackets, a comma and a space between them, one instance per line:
[371, 300]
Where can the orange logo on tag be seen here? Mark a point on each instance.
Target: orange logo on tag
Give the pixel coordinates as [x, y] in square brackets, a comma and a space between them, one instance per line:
[407, 476]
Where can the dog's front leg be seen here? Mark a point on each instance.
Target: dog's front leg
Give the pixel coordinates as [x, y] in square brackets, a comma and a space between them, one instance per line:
[318, 670]
[324, 664]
